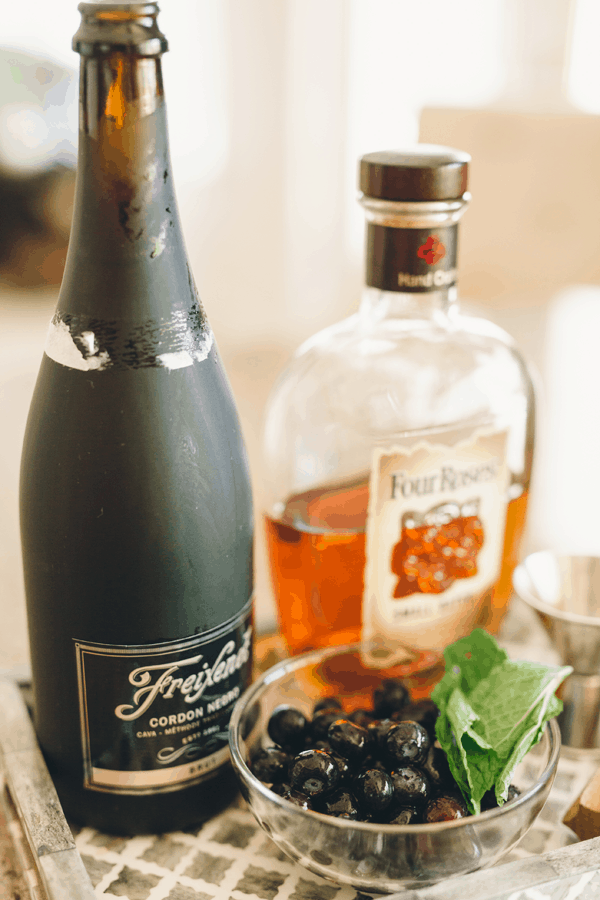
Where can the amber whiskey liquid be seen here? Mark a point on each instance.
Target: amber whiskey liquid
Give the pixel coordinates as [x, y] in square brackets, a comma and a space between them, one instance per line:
[317, 559]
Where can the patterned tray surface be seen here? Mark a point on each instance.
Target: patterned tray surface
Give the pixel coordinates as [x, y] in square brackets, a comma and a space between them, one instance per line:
[231, 857]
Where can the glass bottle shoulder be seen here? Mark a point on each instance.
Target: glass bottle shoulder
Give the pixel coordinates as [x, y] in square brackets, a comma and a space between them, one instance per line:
[392, 374]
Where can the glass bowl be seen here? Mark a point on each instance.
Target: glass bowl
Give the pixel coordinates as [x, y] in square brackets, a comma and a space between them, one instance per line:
[367, 856]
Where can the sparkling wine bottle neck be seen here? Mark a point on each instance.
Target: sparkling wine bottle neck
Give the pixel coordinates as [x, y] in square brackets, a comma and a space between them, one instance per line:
[121, 111]
[126, 253]
[117, 92]
[123, 131]
[123, 144]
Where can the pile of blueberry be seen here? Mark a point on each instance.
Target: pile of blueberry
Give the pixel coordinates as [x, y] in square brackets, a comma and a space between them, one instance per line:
[372, 765]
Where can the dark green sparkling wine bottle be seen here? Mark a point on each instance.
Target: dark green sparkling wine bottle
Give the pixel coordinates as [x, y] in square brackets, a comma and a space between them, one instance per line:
[136, 510]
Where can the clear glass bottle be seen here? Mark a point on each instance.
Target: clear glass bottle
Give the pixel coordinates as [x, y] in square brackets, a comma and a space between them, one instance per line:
[398, 443]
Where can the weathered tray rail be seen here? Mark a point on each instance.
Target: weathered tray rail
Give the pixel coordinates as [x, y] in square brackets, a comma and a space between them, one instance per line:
[43, 847]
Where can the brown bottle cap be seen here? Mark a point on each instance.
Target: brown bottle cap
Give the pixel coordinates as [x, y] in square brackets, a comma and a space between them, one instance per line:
[422, 172]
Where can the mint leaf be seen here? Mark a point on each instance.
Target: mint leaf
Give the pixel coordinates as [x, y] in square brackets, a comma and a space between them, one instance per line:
[463, 716]
[477, 765]
[529, 731]
[468, 661]
[482, 767]
[508, 697]
[475, 656]
[453, 753]
[492, 712]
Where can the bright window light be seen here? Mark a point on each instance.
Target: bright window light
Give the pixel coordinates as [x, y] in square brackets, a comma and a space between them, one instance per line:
[196, 83]
[404, 56]
[195, 71]
[36, 28]
[584, 71]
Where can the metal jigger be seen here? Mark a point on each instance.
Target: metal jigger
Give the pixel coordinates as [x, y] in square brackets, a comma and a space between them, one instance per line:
[565, 593]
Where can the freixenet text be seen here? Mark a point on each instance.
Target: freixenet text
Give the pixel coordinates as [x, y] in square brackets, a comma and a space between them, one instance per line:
[192, 686]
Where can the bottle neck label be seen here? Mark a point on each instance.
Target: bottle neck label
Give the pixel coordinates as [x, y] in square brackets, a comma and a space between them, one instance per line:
[435, 533]
[155, 718]
[411, 260]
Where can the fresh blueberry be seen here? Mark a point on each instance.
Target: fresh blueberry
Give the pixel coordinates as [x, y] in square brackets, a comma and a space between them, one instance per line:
[298, 799]
[373, 789]
[349, 740]
[314, 773]
[340, 804]
[271, 765]
[321, 722]
[391, 695]
[281, 789]
[488, 801]
[445, 808]
[346, 769]
[438, 771]
[363, 717]
[411, 786]
[288, 727]
[425, 712]
[405, 815]
[378, 731]
[407, 743]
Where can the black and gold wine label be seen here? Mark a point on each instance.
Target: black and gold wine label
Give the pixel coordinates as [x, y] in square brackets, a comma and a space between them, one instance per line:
[155, 718]
[413, 260]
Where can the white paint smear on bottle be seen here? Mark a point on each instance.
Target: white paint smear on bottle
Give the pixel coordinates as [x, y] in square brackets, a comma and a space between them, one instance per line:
[61, 347]
[83, 352]
[179, 359]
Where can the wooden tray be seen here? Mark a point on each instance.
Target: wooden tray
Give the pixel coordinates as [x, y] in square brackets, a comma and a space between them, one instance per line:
[229, 857]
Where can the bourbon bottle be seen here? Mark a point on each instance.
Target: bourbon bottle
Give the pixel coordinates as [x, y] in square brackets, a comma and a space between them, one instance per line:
[398, 443]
